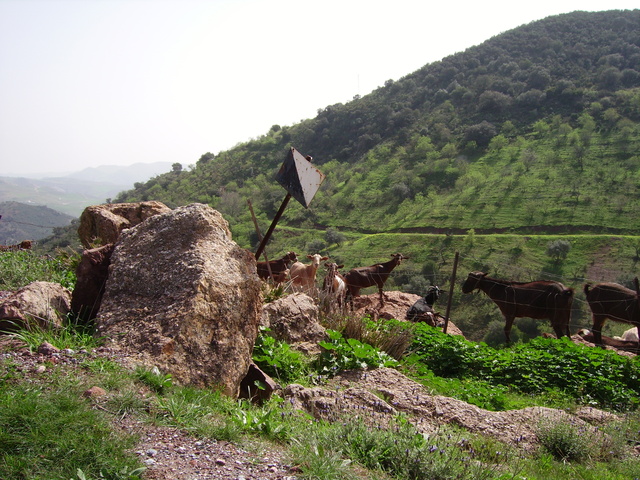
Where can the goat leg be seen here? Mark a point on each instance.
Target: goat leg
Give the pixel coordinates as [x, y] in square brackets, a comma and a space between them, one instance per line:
[507, 327]
[596, 329]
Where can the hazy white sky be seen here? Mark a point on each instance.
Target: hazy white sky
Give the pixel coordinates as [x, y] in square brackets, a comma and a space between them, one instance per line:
[114, 82]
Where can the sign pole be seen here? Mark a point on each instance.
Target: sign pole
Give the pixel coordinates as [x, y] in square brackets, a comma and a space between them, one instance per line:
[267, 235]
[255, 224]
[453, 281]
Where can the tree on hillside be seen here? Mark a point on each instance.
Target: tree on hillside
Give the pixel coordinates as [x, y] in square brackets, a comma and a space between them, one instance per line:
[558, 250]
[333, 236]
[481, 133]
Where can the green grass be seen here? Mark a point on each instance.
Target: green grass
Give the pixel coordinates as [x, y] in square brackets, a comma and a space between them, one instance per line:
[48, 431]
[71, 335]
[25, 266]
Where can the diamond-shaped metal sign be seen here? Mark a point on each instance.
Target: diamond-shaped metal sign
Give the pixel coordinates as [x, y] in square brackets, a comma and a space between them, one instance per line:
[299, 177]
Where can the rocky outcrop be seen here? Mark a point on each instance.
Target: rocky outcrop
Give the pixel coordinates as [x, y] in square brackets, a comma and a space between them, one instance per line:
[182, 296]
[41, 304]
[378, 395]
[91, 274]
[102, 224]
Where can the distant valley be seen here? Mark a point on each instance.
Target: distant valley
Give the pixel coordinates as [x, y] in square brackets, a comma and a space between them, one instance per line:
[32, 207]
[71, 193]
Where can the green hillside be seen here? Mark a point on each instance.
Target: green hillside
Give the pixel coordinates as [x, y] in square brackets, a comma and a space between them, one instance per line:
[528, 139]
[535, 130]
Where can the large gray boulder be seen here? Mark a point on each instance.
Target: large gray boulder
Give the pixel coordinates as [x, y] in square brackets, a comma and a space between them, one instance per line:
[182, 296]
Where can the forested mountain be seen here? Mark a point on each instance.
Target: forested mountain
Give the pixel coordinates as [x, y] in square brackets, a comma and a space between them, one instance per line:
[534, 130]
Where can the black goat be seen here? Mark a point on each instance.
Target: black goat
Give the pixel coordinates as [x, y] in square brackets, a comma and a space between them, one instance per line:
[422, 310]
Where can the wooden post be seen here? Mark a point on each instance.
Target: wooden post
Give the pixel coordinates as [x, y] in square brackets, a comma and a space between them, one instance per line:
[453, 283]
[255, 224]
[273, 226]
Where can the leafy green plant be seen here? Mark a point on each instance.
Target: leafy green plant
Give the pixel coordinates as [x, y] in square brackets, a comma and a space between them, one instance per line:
[591, 376]
[390, 336]
[265, 420]
[271, 293]
[279, 360]
[345, 354]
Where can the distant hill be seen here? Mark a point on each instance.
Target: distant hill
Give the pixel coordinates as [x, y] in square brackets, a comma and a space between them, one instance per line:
[20, 222]
[72, 193]
[534, 131]
[119, 175]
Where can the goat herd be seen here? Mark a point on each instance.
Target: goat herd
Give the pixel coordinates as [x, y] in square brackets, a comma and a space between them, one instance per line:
[539, 299]
[341, 287]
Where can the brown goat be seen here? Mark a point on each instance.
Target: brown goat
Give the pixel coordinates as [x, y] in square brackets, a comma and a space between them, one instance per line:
[539, 299]
[334, 284]
[363, 277]
[278, 267]
[610, 300]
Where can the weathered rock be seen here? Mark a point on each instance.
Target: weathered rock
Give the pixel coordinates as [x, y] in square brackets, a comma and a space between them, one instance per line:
[94, 392]
[257, 386]
[378, 395]
[293, 319]
[102, 224]
[42, 304]
[183, 296]
[91, 274]
[45, 348]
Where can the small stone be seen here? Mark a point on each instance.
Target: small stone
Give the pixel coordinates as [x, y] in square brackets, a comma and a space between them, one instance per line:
[181, 450]
[68, 351]
[150, 461]
[152, 452]
[94, 392]
[41, 369]
[46, 348]
[220, 461]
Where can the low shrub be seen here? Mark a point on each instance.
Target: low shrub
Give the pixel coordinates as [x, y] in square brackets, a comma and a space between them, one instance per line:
[591, 376]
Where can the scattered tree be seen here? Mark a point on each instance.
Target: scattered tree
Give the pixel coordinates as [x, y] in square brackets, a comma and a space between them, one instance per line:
[558, 250]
